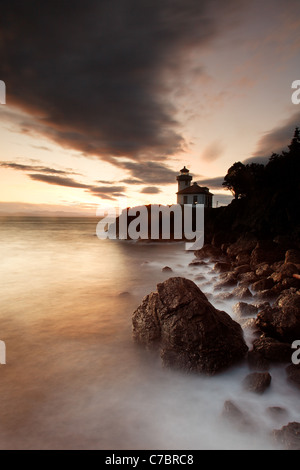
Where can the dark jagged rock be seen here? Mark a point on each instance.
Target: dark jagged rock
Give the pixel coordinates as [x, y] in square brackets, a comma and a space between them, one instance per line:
[242, 269]
[243, 309]
[245, 244]
[288, 436]
[222, 267]
[257, 382]
[292, 256]
[191, 334]
[197, 262]
[226, 280]
[242, 258]
[263, 284]
[293, 374]
[282, 321]
[276, 412]
[263, 270]
[241, 292]
[266, 251]
[232, 414]
[167, 269]
[266, 351]
[245, 279]
[210, 252]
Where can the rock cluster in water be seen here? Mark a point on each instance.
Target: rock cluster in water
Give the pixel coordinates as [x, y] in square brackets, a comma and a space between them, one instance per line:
[193, 335]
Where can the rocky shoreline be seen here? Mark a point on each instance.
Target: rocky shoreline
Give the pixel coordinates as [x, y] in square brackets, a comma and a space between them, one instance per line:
[194, 336]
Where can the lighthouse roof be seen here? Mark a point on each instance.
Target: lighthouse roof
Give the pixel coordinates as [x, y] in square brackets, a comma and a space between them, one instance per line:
[195, 189]
[184, 170]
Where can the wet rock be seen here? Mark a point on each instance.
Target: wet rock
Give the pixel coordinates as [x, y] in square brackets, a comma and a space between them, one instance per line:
[282, 321]
[292, 256]
[167, 269]
[222, 267]
[287, 283]
[262, 305]
[277, 265]
[243, 309]
[232, 413]
[226, 280]
[257, 361]
[267, 295]
[246, 279]
[288, 269]
[245, 244]
[263, 284]
[210, 252]
[263, 270]
[223, 296]
[277, 276]
[241, 269]
[266, 251]
[288, 436]
[293, 374]
[266, 350]
[189, 331]
[124, 294]
[241, 292]
[276, 412]
[197, 262]
[242, 258]
[248, 323]
[257, 382]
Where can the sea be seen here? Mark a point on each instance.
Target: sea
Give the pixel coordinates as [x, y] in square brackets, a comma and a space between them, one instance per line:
[74, 378]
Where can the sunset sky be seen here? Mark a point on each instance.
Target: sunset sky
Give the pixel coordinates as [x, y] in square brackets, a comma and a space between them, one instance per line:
[107, 99]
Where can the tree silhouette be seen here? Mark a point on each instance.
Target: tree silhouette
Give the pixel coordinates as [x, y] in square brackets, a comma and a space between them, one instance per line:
[237, 180]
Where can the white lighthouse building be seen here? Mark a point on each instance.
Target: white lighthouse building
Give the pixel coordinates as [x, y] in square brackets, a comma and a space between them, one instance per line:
[191, 193]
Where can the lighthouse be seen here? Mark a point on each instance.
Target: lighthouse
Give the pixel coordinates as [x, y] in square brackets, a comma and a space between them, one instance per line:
[191, 194]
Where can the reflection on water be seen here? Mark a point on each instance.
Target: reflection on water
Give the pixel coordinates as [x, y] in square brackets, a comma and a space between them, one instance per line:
[74, 379]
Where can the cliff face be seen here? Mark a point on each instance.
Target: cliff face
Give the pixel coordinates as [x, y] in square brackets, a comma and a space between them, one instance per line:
[268, 200]
[264, 215]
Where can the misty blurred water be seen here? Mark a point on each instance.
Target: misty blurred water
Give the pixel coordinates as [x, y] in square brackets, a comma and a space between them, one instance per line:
[73, 377]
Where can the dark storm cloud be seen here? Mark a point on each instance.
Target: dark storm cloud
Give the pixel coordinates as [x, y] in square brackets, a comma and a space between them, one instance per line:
[150, 190]
[212, 183]
[116, 191]
[275, 140]
[150, 172]
[57, 180]
[91, 72]
[25, 167]
[132, 181]
[104, 192]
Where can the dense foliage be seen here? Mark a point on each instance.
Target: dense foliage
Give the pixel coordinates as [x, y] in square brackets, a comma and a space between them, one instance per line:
[266, 197]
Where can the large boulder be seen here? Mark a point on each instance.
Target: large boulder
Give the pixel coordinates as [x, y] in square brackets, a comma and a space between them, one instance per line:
[189, 331]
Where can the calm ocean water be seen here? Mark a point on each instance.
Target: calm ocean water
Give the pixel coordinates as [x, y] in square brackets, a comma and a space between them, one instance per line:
[74, 379]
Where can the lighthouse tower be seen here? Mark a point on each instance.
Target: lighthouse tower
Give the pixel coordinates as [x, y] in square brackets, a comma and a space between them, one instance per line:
[184, 179]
